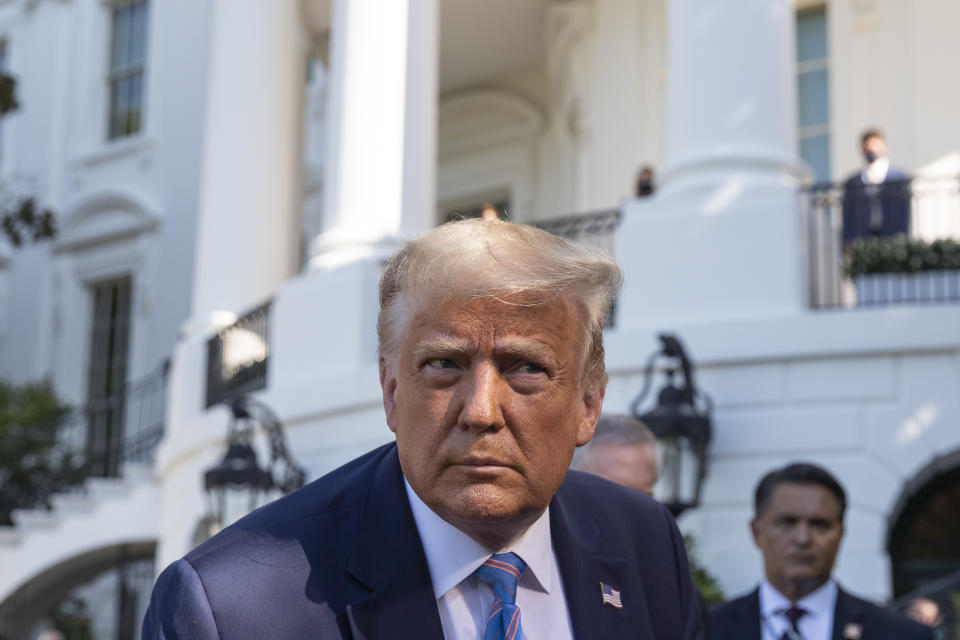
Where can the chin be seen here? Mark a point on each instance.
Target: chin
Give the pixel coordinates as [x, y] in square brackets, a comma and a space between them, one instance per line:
[485, 503]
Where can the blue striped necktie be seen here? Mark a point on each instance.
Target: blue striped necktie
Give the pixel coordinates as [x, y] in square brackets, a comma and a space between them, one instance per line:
[502, 571]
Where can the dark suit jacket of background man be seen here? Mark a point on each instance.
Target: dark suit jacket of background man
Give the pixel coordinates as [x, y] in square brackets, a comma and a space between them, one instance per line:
[342, 558]
[892, 196]
[740, 620]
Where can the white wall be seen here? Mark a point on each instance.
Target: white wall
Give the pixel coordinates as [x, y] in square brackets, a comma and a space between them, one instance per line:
[890, 67]
[871, 395]
[124, 207]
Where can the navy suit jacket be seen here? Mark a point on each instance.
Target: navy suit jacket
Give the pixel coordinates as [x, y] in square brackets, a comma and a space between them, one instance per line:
[891, 198]
[740, 620]
[341, 558]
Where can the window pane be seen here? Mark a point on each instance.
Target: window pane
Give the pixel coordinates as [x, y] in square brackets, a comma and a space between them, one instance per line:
[125, 78]
[813, 92]
[138, 33]
[815, 150]
[117, 39]
[134, 98]
[812, 35]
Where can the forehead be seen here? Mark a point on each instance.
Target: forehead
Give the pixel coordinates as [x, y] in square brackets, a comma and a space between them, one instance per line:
[803, 500]
[535, 318]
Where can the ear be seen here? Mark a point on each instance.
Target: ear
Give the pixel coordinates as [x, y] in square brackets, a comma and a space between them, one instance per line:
[388, 387]
[755, 530]
[592, 404]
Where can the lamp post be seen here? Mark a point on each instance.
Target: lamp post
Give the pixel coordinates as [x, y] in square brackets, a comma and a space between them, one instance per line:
[681, 422]
[238, 484]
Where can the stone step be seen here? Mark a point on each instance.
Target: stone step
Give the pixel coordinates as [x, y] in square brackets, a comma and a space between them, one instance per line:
[10, 536]
[138, 472]
[34, 519]
[69, 503]
[106, 488]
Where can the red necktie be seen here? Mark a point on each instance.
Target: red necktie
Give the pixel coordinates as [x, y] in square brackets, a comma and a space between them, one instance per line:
[793, 615]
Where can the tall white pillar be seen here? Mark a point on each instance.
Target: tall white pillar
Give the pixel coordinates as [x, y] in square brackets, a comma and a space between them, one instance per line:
[381, 144]
[249, 204]
[722, 238]
[732, 93]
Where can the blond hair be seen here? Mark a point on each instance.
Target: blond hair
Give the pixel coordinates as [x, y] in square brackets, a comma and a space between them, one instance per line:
[507, 261]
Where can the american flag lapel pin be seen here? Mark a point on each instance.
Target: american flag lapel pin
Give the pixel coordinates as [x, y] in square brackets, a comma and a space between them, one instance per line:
[852, 631]
[610, 596]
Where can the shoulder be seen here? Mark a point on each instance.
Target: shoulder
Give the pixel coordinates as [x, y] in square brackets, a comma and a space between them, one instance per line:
[622, 522]
[896, 174]
[603, 497]
[742, 610]
[878, 619]
[854, 179]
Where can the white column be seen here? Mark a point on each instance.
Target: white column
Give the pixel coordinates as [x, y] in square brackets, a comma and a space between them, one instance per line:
[721, 239]
[249, 205]
[381, 145]
[732, 95]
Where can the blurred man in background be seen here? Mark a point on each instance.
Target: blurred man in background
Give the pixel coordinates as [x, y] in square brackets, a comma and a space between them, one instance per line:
[876, 200]
[798, 526]
[623, 450]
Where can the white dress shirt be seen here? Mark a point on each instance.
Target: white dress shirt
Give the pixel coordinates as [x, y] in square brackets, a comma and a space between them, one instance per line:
[817, 624]
[464, 601]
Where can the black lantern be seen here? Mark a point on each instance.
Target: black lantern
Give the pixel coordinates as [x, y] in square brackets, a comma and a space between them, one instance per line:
[681, 423]
[238, 484]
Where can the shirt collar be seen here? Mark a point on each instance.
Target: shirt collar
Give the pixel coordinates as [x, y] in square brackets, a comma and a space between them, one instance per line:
[453, 556]
[818, 602]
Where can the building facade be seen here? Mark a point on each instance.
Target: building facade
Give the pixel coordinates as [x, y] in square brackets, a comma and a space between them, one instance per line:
[205, 158]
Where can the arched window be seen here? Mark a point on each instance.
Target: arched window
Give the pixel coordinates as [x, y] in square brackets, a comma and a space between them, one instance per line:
[102, 595]
[923, 542]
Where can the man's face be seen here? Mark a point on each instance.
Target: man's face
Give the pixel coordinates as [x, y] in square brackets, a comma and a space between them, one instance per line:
[874, 147]
[488, 403]
[631, 465]
[799, 534]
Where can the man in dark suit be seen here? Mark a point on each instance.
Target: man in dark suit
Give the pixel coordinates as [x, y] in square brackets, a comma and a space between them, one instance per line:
[876, 200]
[468, 526]
[798, 526]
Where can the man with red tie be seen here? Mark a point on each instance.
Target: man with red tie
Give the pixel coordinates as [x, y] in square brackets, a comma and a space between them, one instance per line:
[469, 525]
[798, 526]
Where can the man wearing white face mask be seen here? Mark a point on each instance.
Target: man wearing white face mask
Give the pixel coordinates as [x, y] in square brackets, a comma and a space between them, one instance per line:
[876, 200]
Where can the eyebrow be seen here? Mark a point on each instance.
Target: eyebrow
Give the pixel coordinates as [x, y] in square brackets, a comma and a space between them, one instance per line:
[443, 345]
[507, 345]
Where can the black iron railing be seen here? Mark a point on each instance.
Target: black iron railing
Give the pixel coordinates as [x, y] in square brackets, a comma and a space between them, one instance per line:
[237, 357]
[597, 229]
[83, 450]
[139, 412]
[926, 209]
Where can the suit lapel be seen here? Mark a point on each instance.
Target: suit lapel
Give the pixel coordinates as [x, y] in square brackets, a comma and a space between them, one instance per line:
[389, 562]
[749, 615]
[847, 617]
[582, 569]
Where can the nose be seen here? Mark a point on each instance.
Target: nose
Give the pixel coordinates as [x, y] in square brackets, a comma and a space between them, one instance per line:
[801, 535]
[481, 402]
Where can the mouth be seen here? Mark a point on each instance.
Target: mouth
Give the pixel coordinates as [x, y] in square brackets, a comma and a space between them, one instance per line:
[481, 464]
[802, 558]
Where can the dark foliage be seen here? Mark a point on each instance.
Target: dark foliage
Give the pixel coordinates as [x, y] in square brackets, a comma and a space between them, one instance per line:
[31, 466]
[8, 94]
[21, 220]
[901, 254]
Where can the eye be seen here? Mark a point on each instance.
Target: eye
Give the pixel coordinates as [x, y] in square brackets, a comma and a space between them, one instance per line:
[531, 368]
[441, 363]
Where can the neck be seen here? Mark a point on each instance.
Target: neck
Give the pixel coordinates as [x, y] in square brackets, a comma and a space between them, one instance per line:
[794, 590]
[497, 536]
